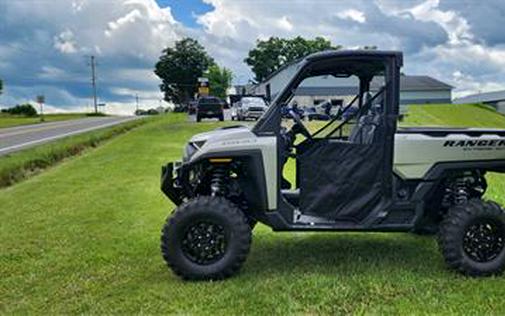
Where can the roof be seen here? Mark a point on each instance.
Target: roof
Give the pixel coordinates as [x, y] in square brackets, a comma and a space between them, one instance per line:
[494, 96]
[415, 83]
[360, 53]
[339, 53]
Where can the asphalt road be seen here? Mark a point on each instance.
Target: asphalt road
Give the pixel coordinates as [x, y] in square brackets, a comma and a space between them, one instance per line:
[21, 137]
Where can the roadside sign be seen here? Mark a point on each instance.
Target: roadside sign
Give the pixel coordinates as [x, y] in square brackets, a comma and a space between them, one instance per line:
[203, 90]
[203, 80]
[101, 104]
[41, 99]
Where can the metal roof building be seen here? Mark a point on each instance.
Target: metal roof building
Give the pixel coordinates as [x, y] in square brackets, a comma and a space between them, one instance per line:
[495, 98]
[413, 89]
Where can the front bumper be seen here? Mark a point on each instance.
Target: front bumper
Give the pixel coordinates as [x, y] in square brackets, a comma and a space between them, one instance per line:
[170, 184]
[253, 114]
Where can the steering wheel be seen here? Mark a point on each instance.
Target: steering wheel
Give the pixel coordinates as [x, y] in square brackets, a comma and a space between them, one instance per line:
[298, 122]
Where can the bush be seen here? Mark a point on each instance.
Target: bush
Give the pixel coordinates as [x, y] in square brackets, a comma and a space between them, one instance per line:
[23, 109]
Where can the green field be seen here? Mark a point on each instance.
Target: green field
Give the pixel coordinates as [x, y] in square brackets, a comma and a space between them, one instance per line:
[7, 120]
[83, 237]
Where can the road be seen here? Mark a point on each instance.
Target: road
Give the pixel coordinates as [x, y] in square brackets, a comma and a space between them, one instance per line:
[21, 137]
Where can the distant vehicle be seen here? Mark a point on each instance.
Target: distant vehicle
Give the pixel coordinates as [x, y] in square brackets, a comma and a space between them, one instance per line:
[312, 114]
[209, 107]
[350, 113]
[248, 108]
[192, 106]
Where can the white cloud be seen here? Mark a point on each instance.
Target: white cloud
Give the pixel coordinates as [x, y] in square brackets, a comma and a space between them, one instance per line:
[352, 14]
[284, 23]
[44, 46]
[65, 42]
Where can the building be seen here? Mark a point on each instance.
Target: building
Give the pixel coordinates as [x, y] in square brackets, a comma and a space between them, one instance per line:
[413, 89]
[495, 99]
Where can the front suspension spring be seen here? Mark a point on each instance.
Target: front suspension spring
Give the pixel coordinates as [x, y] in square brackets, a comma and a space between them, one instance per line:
[218, 181]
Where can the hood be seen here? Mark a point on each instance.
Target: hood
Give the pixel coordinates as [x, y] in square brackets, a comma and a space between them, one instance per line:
[225, 133]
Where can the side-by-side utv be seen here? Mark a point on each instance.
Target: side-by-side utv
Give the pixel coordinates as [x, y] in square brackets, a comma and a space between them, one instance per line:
[361, 173]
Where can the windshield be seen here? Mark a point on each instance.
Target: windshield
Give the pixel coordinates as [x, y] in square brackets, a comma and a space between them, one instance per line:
[209, 100]
[250, 101]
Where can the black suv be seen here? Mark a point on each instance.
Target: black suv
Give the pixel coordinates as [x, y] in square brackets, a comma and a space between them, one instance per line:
[209, 107]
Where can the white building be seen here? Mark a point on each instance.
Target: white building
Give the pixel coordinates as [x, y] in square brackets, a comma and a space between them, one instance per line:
[495, 99]
[413, 89]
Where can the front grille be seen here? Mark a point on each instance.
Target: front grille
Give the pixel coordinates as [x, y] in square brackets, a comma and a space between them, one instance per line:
[255, 109]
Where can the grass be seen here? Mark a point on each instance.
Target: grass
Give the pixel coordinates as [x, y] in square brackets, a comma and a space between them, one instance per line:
[83, 237]
[23, 164]
[7, 120]
[458, 115]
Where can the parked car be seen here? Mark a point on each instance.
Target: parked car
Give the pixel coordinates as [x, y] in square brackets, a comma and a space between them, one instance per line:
[312, 114]
[192, 107]
[209, 107]
[350, 113]
[248, 108]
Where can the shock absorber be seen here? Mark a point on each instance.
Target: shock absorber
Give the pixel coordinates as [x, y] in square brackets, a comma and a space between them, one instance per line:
[218, 181]
[460, 191]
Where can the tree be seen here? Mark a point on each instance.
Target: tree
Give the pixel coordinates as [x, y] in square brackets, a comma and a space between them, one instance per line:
[219, 80]
[23, 109]
[270, 55]
[179, 68]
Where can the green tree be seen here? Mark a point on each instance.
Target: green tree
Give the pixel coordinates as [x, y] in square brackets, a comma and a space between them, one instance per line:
[270, 55]
[219, 80]
[23, 109]
[179, 68]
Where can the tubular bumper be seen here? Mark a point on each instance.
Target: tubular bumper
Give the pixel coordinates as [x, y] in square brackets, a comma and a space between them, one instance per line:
[169, 184]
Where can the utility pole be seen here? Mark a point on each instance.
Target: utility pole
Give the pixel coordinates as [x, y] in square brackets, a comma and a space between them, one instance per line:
[93, 81]
[137, 101]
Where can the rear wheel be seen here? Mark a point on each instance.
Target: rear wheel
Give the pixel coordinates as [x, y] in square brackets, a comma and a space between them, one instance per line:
[472, 238]
[221, 117]
[198, 118]
[206, 238]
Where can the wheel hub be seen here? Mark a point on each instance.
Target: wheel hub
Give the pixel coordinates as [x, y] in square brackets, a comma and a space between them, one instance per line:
[484, 240]
[204, 243]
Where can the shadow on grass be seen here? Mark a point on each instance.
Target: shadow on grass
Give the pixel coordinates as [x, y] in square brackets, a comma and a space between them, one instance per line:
[344, 254]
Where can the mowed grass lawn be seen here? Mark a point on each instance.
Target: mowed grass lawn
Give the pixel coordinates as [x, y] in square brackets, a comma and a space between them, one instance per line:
[7, 120]
[83, 237]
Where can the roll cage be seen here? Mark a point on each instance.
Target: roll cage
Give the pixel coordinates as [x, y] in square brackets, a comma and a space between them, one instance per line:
[364, 64]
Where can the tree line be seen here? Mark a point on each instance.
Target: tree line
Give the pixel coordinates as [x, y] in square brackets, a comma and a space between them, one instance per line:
[180, 66]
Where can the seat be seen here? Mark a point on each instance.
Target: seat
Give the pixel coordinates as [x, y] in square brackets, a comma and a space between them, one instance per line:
[364, 132]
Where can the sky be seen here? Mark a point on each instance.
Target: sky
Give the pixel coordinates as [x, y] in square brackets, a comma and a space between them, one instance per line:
[45, 45]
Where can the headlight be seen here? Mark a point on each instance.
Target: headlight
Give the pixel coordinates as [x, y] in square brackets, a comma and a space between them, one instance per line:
[192, 148]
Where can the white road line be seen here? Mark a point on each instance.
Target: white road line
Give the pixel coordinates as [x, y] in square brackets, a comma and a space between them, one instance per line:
[33, 142]
[45, 126]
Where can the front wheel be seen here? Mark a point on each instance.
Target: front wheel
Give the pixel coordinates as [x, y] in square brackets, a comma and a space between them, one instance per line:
[206, 238]
[472, 238]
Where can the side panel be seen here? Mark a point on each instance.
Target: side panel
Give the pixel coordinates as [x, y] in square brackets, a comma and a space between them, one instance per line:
[266, 145]
[416, 154]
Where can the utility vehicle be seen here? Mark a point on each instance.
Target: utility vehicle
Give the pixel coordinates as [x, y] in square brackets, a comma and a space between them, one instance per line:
[362, 173]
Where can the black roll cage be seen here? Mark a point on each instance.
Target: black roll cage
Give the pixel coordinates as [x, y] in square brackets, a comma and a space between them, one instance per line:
[363, 63]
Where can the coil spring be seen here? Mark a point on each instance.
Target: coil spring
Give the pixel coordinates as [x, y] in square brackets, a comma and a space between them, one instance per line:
[460, 192]
[218, 181]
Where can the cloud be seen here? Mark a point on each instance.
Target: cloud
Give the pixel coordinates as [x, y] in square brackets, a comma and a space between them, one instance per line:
[352, 14]
[46, 45]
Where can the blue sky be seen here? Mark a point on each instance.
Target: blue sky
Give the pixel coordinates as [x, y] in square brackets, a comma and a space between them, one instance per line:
[45, 45]
[186, 11]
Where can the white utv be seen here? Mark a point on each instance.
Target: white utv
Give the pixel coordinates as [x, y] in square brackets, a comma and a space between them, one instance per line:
[365, 176]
